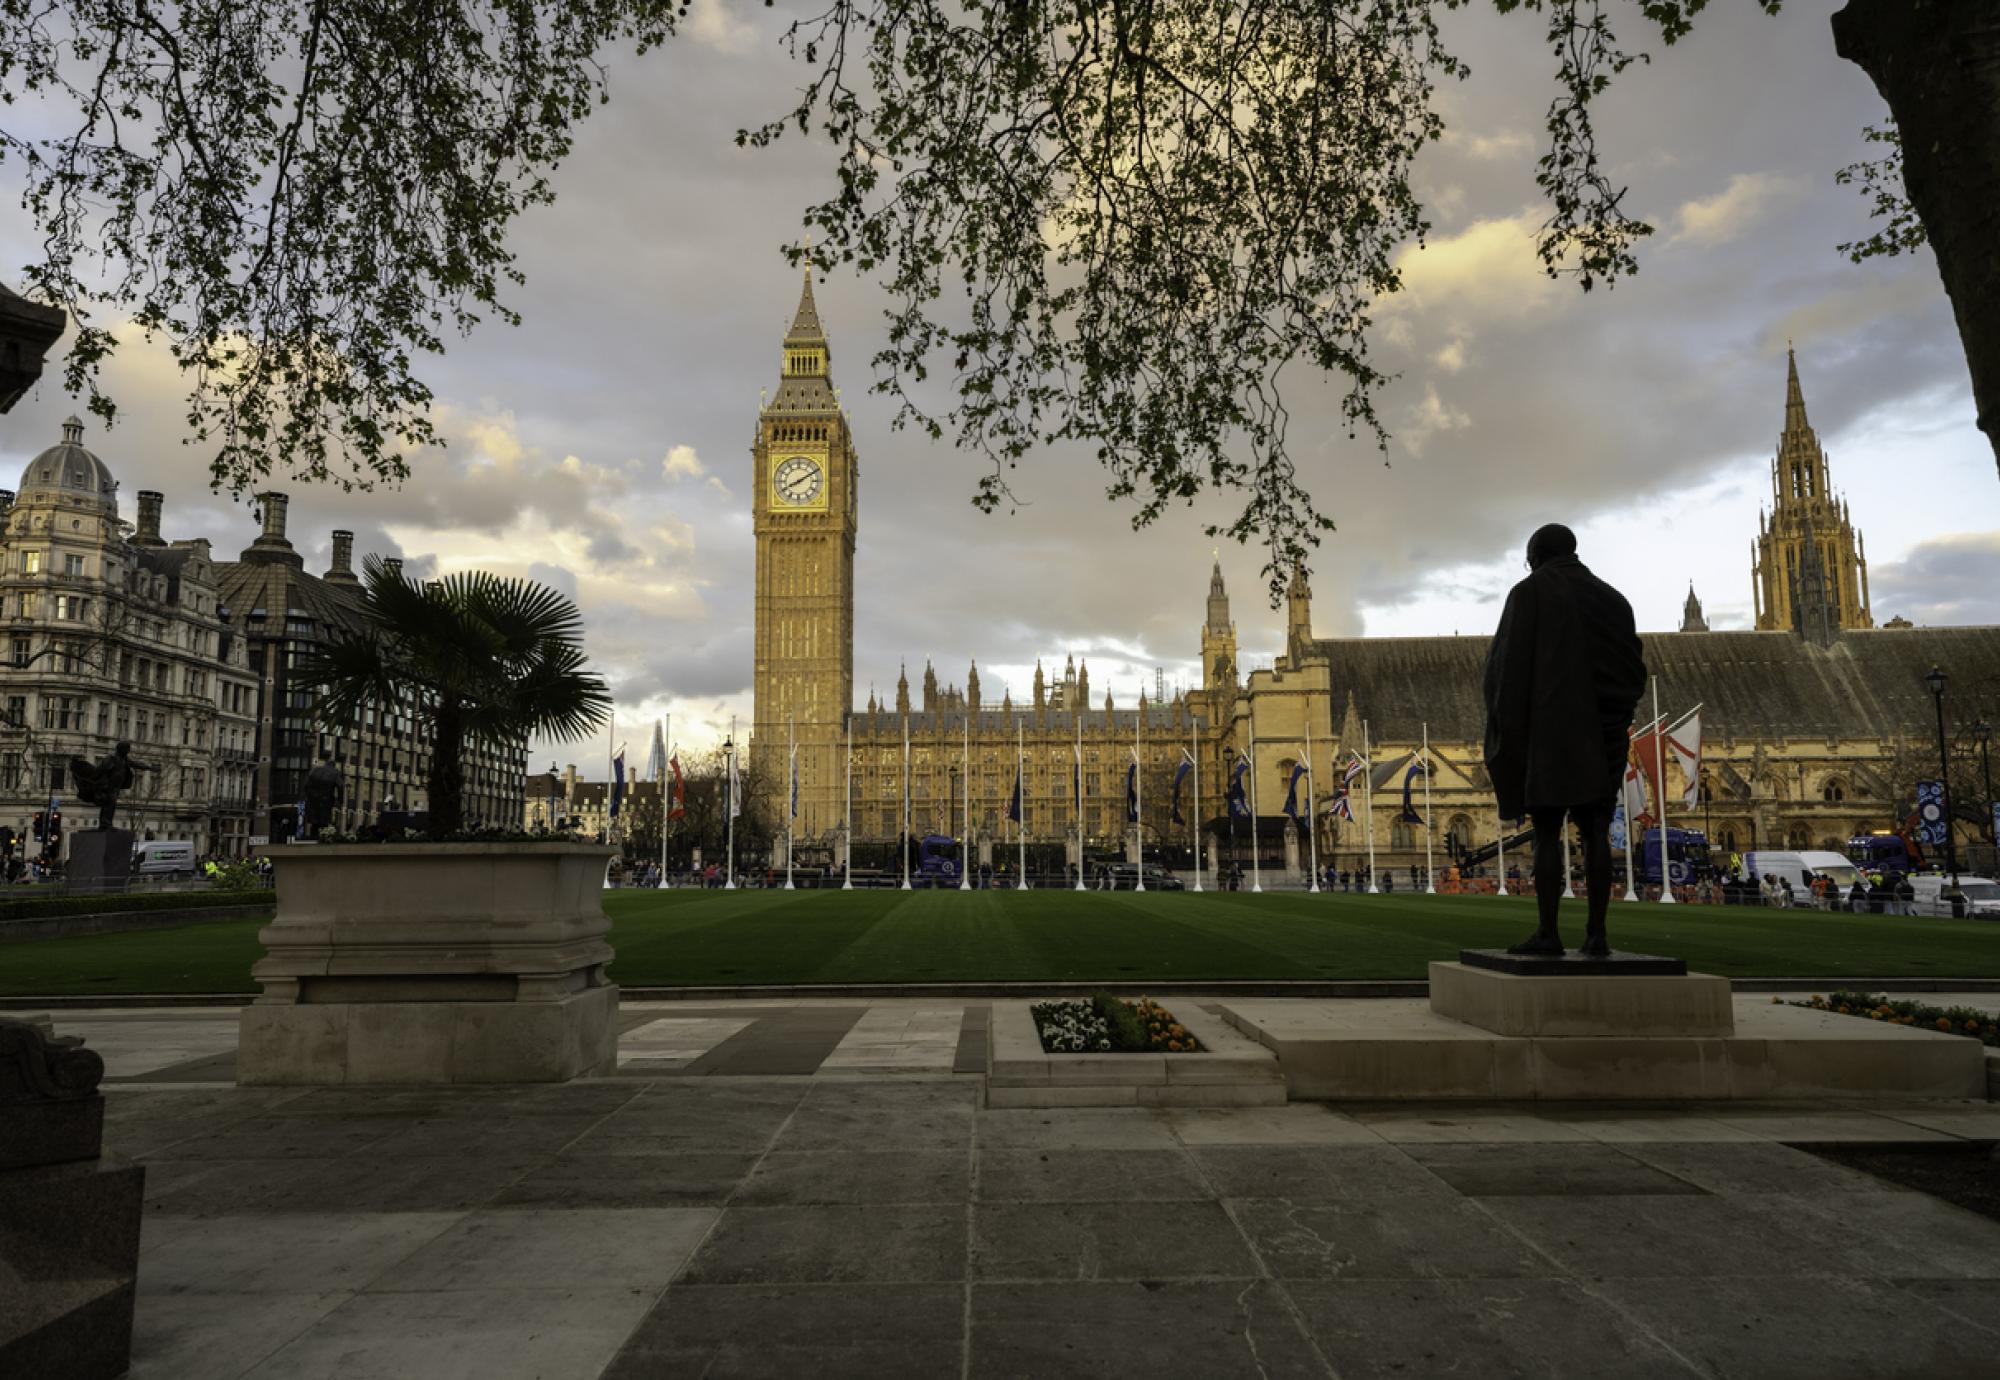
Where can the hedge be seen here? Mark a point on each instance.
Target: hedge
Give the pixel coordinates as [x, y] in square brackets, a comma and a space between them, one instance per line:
[45, 907]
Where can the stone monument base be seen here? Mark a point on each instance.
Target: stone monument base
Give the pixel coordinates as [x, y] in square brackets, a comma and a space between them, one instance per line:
[430, 1041]
[100, 860]
[1692, 1004]
[433, 963]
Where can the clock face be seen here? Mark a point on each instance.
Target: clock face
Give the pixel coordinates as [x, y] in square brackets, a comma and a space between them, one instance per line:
[798, 481]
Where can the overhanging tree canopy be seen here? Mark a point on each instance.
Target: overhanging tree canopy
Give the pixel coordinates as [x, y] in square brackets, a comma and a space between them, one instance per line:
[1155, 206]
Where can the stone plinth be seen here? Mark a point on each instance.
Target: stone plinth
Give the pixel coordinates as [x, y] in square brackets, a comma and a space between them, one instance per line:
[433, 963]
[1573, 964]
[99, 860]
[69, 1214]
[1691, 1005]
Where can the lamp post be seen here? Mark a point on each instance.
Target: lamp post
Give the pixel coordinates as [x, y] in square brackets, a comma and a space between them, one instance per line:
[1983, 732]
[951, 807]
[1936, 681]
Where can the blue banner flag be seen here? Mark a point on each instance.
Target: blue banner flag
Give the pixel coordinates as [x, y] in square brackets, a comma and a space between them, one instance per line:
[617, 784]
[1014, 805]
[1239, 800]
[1076, 781]
[1132, 794]
[1180, 775]
[1410, 815]
[1292, 790]
[1930, 814]
[795, 783]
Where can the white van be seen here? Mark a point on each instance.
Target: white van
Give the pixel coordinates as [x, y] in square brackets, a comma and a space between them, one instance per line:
[1798, 868]
[1982, 896]
[164, 858]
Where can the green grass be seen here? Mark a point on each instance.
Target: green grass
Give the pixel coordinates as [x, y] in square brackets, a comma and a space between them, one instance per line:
[683, 938]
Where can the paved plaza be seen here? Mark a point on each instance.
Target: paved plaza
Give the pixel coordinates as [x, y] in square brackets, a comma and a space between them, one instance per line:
[774, 1189]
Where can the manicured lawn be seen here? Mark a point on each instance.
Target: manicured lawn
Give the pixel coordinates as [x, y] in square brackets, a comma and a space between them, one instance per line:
[677, 938]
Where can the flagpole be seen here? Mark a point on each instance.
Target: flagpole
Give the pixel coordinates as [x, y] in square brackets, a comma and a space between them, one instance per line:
[1569, 887]
[965, 849]
[906, 798]
[1194, 736]
[847, 881]
[1631, 824]
[1500, 858]
[1256, 864]
[1660, 788]
[792, 793]
[1139, 786]
[1368, 801]
[1430, 828]
[1077, 795]
[665, 724]
[1021, 794]
[1312, 819]
[729, 811]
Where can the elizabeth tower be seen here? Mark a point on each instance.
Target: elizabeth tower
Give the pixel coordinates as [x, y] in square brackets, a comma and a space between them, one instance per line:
[804, 475]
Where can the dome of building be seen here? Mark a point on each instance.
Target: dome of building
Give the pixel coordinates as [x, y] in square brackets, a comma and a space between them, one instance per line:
[67, 469]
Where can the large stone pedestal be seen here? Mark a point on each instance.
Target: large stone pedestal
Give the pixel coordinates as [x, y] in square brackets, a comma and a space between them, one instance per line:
[1692, 1004]
[100, 860]
[434, 963]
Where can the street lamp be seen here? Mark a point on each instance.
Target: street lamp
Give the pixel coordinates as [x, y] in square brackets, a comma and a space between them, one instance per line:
[1983, 732]
[1936, 680]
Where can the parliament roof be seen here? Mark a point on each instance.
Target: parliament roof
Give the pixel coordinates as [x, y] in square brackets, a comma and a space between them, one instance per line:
[1867, 684]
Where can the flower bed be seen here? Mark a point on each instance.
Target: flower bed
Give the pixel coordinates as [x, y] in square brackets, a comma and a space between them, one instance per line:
[1877, 1006]
[1110, 1025]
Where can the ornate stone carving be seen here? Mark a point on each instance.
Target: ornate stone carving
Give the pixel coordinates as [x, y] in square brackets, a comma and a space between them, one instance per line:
[39, 1067]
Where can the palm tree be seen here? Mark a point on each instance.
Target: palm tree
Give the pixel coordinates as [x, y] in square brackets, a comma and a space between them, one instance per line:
[472, 654]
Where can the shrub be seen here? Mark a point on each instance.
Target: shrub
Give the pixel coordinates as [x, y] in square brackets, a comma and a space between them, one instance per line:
[44, 907]
[1979, 1025]
[1128, 1032]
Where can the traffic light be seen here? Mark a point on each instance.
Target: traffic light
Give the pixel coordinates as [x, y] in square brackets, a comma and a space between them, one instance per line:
[41, 825]
[55, 827]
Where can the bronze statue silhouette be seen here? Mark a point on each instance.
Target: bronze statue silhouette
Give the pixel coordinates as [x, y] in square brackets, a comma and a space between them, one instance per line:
[100, 783]
[1564, 673]
[323, 787]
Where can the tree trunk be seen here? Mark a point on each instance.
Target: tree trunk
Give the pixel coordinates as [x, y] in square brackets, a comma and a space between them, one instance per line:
[1937, 64]
[447, 780]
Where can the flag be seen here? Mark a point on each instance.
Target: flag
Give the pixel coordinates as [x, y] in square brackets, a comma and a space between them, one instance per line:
[617, 784]
[734, 787]
[1632, 796]
[1132, 792]
[1355, 766]
[1180, 775]
[1684, 746]
[795, 782]
[1647, 756]
[678, 810]
[1618, 825]
[1343, 804]
[656, 756]
[1076, 779]
[1292, 790]
[1410, 815]
[1014, 805]
[1239, 800]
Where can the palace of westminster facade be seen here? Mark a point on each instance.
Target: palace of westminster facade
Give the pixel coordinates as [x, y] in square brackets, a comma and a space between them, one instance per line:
[1805, 717]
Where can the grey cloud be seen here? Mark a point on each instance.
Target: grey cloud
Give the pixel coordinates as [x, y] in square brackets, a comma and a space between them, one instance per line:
[1953, 579]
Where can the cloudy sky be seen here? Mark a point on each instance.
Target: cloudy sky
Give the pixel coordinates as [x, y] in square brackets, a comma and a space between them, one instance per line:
[604, 445]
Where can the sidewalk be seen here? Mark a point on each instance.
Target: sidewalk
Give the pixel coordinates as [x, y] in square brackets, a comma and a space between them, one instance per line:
[807, 1188]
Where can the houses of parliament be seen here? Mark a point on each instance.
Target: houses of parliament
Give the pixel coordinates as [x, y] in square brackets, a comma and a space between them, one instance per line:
[1812, 721]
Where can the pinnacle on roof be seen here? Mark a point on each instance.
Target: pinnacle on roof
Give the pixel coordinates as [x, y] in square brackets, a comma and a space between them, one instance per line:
[1795, 398]
[805, 322]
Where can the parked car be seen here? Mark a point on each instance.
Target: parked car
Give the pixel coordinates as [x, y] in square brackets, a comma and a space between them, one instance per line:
[1982, 896]
[1798, 868]
[163, 858]
[1125, 877]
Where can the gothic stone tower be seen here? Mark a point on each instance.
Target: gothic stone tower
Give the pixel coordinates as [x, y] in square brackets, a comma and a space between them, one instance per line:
[803, 485]
[1805, 511]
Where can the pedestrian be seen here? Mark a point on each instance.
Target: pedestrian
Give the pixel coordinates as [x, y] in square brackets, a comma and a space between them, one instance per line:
[1906, 895]
[1857, 897]
[1563, 675]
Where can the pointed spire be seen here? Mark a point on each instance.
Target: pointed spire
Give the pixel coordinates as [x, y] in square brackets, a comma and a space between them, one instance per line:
[805, 322]
[1795, 398]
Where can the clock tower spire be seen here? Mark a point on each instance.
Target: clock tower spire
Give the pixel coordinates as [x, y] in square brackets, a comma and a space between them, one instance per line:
[803, 505]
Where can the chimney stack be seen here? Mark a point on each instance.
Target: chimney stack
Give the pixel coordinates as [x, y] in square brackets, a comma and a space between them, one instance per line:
[395, 565]
[150, 503]
[342, 570]
[271, 548]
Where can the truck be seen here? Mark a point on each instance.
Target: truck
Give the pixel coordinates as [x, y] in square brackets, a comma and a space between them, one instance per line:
[1885, 851]
[1687, 855]
[936, 863]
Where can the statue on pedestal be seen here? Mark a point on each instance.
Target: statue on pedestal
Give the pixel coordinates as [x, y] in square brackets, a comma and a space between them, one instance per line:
[102, 782]
[323, 786]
